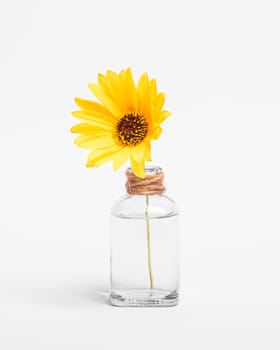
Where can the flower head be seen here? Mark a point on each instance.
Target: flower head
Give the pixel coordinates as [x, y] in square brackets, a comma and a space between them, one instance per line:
[124, 123]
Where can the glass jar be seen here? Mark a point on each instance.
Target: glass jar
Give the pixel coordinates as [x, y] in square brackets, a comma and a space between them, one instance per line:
[144, 244]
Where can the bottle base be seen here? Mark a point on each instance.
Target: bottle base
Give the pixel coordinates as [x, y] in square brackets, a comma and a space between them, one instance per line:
[144, 298]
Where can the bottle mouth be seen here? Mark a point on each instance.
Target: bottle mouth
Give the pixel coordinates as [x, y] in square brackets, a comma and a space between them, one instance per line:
[151, 184]
[150, 170]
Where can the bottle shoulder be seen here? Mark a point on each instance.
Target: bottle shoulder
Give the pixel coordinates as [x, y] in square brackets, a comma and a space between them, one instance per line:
[137, 206]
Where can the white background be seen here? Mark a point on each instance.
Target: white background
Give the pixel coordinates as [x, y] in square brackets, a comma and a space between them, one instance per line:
[218, 62]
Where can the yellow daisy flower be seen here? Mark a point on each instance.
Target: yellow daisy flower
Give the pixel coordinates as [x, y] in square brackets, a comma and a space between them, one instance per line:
[122, 126]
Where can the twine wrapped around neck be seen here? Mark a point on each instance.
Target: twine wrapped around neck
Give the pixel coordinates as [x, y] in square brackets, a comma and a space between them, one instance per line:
[151, 184]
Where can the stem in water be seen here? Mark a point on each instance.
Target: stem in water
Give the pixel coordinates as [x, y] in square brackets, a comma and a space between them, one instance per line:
[149, 243]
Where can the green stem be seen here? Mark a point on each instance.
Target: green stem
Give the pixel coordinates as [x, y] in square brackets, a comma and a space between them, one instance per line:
[149, 243]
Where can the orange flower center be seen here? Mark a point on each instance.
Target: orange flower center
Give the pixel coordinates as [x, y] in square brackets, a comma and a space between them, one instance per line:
[131, 129]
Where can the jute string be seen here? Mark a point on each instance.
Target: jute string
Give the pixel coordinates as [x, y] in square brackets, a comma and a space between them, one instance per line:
[151, 184]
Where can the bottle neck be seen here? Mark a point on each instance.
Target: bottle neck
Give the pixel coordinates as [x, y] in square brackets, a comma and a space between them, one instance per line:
[151, 184]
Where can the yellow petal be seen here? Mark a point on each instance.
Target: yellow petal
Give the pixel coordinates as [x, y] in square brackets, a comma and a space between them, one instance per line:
[121, 157]
[98, 157]
[117, 89]
[104, 159]
[156, 133]
[112, 76]
[153, 89]
[100, 120]
[97, 141]
[145, 92]
[92, 106]
[131, 96]
[159, 101]
[110, 90]
[85, 128]
[142, 83]
[99, 92]
[160, 116]
[147, 156]
[138, 168]
[138, 152]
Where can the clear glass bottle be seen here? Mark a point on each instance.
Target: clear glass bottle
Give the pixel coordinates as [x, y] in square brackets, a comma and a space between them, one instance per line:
[144, 246]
